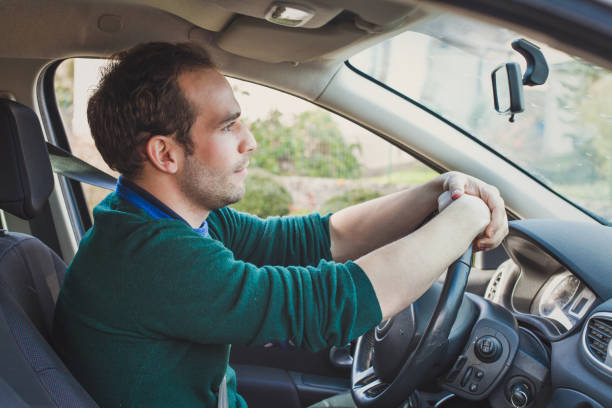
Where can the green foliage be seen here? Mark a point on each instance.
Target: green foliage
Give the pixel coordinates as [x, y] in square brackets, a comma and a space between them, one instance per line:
[569, 168]
[350, 197]
[587, 97]
[264, 197]
[64, 82]
[310, 144]
[596, 114]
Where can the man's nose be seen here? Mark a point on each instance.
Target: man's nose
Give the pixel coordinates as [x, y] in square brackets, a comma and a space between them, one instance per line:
[248, 143]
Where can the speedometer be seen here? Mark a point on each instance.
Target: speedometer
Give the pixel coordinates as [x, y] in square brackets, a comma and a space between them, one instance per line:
[556, 297]
[558, 293]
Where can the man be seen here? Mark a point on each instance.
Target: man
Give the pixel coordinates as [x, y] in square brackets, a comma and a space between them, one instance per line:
[169, 276]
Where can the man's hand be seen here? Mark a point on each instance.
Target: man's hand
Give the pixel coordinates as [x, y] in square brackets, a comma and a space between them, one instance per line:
[403, 270]
[456, 184]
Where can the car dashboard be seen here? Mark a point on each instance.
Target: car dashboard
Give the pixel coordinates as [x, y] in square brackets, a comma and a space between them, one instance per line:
[558, 285]
[562, 298]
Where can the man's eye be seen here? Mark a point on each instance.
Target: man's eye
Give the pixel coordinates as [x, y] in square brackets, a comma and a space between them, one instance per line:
[229, 127]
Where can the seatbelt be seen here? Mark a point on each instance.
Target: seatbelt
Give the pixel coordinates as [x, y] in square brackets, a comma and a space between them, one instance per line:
[67, 165]
[222, 401]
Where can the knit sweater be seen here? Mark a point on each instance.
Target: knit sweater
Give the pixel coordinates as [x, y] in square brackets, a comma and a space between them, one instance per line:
[149, 308]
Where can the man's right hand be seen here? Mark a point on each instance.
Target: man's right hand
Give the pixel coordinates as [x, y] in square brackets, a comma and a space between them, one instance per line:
[458, 184]
[403, 270]
[475, 209]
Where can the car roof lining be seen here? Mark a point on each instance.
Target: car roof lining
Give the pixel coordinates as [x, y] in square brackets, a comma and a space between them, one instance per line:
[301, 61]
[77, 25]
[267, 55]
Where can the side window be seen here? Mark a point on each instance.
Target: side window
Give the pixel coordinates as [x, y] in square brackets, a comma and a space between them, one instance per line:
[311, 160]
[75, 80]
[307, 159]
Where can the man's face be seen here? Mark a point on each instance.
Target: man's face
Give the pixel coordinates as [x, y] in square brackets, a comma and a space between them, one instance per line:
[213, 176]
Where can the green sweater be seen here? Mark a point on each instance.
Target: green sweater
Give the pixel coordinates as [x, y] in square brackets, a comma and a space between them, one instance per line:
[149, 308]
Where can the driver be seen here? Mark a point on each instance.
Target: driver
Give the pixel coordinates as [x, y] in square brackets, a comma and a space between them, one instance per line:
[169, 276]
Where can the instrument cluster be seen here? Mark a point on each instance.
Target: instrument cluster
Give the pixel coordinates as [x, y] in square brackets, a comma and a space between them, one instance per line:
[563, 298]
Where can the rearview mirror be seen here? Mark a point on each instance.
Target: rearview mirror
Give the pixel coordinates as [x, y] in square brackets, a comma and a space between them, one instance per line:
[508, 89]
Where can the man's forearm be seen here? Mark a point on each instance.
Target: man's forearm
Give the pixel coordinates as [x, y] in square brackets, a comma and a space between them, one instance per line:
[403, 270]
[361, 228]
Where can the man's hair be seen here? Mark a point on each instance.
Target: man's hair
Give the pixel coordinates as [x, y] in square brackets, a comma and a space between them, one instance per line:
[139, 97]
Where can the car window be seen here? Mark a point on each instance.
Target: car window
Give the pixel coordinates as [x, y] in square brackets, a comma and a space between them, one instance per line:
[75, 79]
[307, 159]
[564, 136]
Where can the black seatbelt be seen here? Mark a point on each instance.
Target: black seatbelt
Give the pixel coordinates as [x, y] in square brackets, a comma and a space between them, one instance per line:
[67, 165]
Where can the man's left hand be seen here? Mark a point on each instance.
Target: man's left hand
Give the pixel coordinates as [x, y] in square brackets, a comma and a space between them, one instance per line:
[457, 184]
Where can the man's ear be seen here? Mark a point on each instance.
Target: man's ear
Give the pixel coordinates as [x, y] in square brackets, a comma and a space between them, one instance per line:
[163, 153]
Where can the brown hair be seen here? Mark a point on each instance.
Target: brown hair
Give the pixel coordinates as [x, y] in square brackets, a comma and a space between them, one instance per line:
[139, 97]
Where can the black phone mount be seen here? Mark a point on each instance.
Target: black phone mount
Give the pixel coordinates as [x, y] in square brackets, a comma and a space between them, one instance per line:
[537, 67]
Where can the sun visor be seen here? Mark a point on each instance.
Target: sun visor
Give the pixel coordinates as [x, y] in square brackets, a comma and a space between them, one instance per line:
[263, 41]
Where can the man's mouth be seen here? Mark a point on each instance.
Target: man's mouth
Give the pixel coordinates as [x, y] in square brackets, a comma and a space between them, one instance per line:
[242, 167]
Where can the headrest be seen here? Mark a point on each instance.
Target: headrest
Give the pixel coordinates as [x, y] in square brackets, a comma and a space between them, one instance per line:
[26, 179]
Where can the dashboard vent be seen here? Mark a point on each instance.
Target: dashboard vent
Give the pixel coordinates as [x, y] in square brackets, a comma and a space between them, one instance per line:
[598, 336]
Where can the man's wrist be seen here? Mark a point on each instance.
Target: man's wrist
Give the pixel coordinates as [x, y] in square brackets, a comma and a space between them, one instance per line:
[474, 211]
[434, 188]
[437, 184]
[428, 193]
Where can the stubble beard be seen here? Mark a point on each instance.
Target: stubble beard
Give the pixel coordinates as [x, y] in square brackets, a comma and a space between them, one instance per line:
[208, 189]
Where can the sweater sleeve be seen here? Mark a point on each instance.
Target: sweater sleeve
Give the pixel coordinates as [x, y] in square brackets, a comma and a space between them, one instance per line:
[293, 240]
[197, 290]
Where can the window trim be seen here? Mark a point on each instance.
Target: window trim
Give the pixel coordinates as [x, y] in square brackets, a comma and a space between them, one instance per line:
[72, 191]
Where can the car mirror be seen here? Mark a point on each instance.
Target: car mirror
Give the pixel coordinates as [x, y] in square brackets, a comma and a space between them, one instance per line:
[508, 89]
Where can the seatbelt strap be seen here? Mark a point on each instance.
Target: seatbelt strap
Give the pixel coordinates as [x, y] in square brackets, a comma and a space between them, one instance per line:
[222, 401]
[67, 165]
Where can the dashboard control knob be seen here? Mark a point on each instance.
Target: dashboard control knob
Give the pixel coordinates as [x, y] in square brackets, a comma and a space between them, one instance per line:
[487, 349]
[519, 395]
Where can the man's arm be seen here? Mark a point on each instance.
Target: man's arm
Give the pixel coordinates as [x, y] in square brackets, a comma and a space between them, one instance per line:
[403, 270]
[359, 229]
[294, 240]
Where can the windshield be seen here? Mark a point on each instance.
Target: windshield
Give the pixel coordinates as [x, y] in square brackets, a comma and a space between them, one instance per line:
[564, 136]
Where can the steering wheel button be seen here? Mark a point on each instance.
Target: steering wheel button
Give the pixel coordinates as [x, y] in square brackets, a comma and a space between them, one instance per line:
[478, 374]
[460, 362]
[466, 376]
[452, 376]
[473, 387]
[488, 349]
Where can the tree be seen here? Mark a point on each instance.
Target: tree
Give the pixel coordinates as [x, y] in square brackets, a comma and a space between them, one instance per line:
[587, 96]
[596, 116]
[310, 144]
[264, 196]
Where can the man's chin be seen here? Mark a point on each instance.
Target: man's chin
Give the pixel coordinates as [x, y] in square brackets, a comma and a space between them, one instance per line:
[234, 198]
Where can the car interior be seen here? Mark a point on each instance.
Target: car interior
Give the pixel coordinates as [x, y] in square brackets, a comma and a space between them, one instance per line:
[529, 326]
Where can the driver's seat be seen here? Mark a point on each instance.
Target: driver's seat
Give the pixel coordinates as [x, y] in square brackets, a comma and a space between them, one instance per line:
[31, 374]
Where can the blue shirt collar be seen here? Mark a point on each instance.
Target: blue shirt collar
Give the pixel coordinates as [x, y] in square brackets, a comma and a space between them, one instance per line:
[150, 204]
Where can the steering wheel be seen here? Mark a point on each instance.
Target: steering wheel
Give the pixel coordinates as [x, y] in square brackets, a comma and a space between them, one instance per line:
[392, 359]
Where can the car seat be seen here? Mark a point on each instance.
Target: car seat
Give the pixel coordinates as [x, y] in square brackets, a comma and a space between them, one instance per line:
[31, 274]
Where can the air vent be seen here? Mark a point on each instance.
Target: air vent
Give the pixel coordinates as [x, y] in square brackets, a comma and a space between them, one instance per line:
[597, 338]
